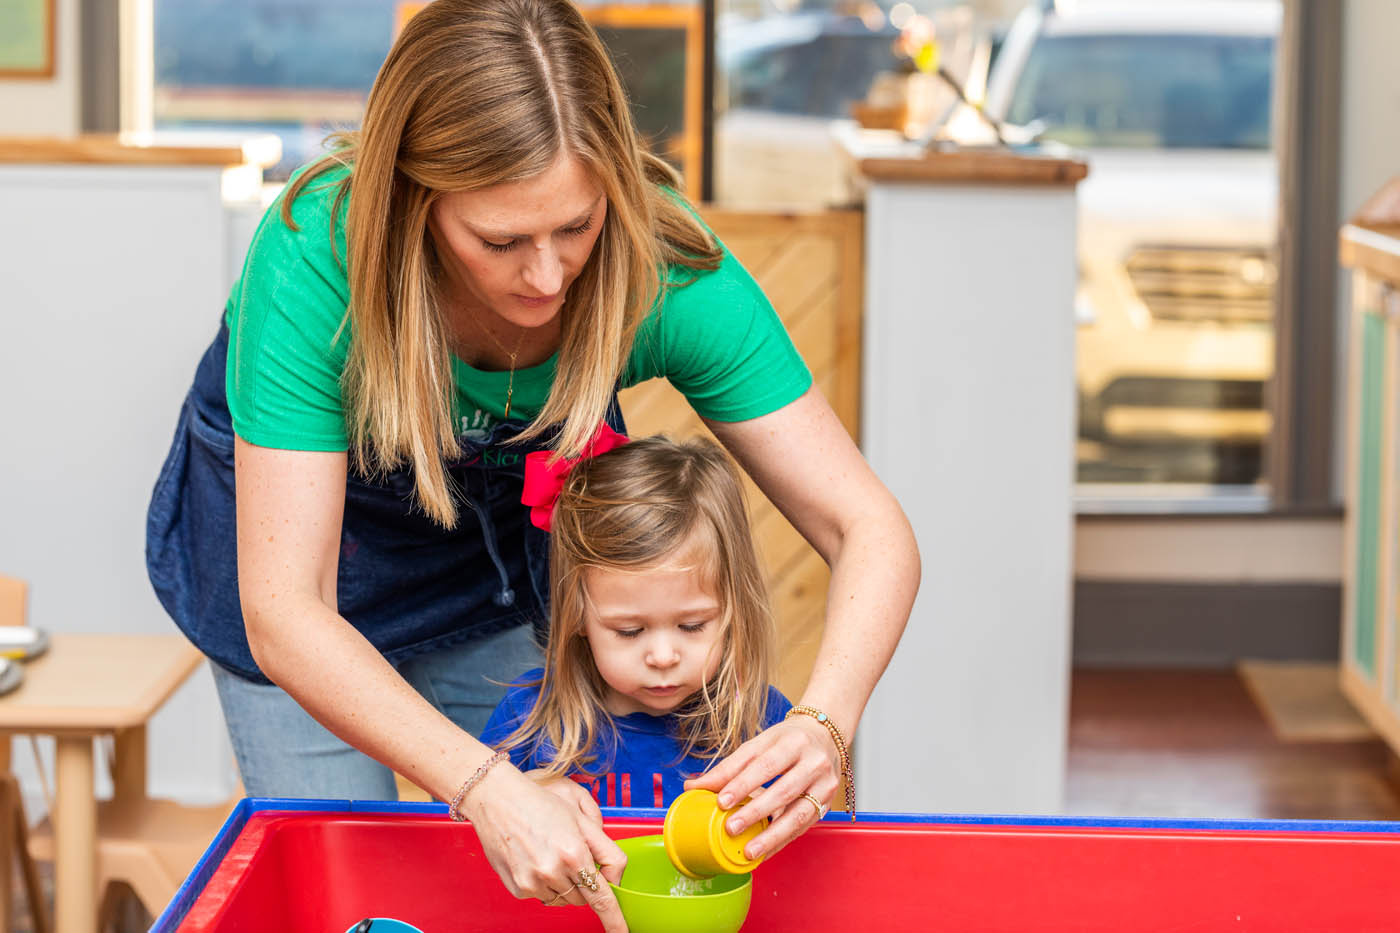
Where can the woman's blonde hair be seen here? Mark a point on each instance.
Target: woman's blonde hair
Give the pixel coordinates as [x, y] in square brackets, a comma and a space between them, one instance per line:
[476, 93]
[649, 504]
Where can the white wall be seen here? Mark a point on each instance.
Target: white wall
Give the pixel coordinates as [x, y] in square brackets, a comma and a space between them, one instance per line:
[1370, 149]
[109, 303]
[1224, 550]
[47, 106]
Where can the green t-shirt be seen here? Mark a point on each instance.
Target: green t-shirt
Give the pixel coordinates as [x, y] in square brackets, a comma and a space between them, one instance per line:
[716, 339]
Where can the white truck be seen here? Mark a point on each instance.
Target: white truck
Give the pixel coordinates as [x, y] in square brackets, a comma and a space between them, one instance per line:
[1171, 102]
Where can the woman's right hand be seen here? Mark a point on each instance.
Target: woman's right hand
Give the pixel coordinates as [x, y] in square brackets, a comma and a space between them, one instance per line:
[540, 843]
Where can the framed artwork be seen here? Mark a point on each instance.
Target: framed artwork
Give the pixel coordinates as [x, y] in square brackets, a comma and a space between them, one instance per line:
[26, 38]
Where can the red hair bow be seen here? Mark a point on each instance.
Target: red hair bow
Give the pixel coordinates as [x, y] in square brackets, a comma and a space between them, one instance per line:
[544, 480]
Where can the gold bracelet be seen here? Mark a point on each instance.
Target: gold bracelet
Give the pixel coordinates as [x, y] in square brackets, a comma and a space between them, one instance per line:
[837, 738]
[471, 782]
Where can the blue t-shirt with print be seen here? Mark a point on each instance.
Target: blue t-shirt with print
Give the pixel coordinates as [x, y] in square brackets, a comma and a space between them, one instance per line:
[643, 770]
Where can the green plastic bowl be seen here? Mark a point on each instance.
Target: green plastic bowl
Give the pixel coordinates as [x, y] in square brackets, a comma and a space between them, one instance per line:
[719, 904]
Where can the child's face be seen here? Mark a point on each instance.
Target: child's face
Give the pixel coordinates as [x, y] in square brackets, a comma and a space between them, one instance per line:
[654, 635]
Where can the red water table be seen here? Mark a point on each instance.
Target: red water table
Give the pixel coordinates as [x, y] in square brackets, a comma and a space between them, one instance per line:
[311, 866]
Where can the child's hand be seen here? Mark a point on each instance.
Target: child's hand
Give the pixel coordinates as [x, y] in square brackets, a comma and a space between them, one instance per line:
[800, 754]
[544, 843]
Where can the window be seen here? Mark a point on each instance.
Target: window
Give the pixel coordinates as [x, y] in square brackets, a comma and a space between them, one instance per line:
[297, 68]
[782, 75]
[1178, 233]
[303, 68]
[1145, 92]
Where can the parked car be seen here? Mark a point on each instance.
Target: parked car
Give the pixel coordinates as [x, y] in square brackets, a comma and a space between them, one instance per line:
[1171, 101]
[781, 80]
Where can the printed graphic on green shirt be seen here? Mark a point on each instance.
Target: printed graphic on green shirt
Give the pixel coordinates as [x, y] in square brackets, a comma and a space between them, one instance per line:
[477, 427]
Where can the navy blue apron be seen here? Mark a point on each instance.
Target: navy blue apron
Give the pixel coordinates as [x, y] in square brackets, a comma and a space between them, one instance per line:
[405, 583]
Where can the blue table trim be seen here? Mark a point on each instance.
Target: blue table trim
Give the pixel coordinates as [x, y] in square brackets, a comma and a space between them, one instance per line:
[184, 899]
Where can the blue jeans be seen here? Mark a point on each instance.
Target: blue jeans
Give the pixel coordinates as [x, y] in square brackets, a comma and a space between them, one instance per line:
[283, 752]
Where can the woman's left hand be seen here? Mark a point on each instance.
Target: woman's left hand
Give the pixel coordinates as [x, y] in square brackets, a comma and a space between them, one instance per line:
[569, 791]
[802, 752]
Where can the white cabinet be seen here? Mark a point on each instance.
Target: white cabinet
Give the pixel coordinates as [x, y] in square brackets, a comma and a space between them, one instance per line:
[115, 263]
[968, 416]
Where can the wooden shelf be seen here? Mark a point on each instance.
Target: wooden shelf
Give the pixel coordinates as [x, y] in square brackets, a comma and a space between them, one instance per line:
[142, 149]
[1374, 248]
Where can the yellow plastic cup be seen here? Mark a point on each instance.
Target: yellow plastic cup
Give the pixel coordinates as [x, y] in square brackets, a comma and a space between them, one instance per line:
[697, 842]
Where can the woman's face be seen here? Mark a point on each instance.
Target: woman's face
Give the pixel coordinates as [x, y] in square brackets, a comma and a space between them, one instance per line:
[516, 248]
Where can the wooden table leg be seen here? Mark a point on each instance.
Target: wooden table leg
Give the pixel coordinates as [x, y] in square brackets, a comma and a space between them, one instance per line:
[75, 838]
[9, 806]
[129, 764]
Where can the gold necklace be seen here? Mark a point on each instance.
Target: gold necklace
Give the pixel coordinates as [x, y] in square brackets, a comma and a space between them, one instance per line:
[510, 386]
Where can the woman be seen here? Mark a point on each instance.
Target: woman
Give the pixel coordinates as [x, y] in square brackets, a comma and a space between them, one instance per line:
[472, 276]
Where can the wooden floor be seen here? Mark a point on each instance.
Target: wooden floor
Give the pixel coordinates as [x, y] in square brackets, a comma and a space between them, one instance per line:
[1176, 744]
[1193, 744]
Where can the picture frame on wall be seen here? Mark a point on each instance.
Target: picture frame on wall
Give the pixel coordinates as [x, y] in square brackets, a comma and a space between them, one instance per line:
[27, 39]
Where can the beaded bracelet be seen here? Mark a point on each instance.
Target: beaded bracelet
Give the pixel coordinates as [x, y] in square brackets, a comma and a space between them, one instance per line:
[840, 741]
[471, 782]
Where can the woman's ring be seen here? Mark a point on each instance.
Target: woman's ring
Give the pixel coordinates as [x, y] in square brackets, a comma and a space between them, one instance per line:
[821, 808]
[557, 899]
[588, 878]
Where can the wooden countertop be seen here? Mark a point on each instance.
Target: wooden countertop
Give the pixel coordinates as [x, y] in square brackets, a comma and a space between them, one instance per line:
[1374, 247]
[977, 166]
[142, 149]
[888, 157]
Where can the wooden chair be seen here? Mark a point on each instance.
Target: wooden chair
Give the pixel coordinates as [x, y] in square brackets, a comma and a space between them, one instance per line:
[145, 847]
[14, 826]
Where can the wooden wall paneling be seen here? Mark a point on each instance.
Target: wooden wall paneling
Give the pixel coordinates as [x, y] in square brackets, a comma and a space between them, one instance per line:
[844, 393]
[810, 265]
[753, 250]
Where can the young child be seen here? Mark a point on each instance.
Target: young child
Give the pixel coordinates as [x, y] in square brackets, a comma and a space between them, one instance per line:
[661, 639]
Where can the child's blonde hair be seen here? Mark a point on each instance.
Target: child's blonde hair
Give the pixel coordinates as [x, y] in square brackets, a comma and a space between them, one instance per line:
[641, 506]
